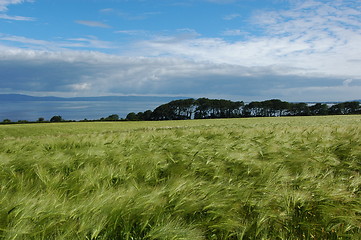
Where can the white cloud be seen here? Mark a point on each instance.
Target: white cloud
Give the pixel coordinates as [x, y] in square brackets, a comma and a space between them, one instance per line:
[221, 1]
[347, 82]
[231, 16]
[93, 24]
[106, 10]
[234, 32]
[132, 32]
[16, 18]
[4, 4]
[82, 42]
[307, 53]
[313, 38]
[4, 8]
[128, 15]
[91, 42]
[92, 73]
[81, 86]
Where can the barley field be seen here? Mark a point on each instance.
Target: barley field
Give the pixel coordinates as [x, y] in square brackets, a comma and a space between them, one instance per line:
[256, 178]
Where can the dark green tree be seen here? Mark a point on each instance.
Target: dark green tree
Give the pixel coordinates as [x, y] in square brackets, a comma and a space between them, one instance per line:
[56, 119]
[254, 109]
[319, 109]
[132, 117]
[203, 108]
[274, 107]
[23, 121]
[351, 107]
[147, 115]
[337, 109]
[182, 109]
[345, 108]
[299, 109]
[163, 112]
[113, 117]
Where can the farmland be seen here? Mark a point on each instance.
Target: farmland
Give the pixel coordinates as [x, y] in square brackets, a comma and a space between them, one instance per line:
[255, 178]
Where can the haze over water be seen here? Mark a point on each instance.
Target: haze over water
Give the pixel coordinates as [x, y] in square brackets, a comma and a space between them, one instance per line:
[71, 110]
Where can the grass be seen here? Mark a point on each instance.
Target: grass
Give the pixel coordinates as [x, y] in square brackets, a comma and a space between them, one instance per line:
[264, 178]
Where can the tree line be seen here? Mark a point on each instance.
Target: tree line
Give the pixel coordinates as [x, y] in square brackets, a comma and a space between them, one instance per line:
[204, 108]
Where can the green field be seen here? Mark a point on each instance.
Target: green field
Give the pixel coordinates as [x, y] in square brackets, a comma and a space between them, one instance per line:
[259, 178]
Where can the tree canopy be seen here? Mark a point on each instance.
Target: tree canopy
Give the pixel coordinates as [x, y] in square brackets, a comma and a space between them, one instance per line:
[203, 108]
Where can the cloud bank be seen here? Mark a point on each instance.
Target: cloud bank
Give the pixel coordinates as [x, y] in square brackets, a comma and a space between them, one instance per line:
[311, 38]
[309, 52]
[79, 73]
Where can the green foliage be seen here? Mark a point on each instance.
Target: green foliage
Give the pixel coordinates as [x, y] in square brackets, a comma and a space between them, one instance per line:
[41, 119]
[56, 119]
[265, 178]
[113, 117]
[132, 117]
[6, 121]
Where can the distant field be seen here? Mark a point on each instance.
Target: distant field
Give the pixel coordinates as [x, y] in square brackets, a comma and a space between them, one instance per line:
[255, 178]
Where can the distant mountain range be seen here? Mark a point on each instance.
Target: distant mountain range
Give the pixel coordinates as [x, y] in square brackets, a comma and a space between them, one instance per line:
[22, 97]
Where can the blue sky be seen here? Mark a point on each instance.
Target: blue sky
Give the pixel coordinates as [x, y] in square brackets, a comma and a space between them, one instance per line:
[294, 50]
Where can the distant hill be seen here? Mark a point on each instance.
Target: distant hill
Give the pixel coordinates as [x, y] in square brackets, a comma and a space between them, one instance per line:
[22, 97]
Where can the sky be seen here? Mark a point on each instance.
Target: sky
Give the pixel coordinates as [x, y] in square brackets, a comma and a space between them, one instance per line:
[250, 50]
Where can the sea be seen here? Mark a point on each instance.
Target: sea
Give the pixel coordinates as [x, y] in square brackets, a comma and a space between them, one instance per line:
[71, 110]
